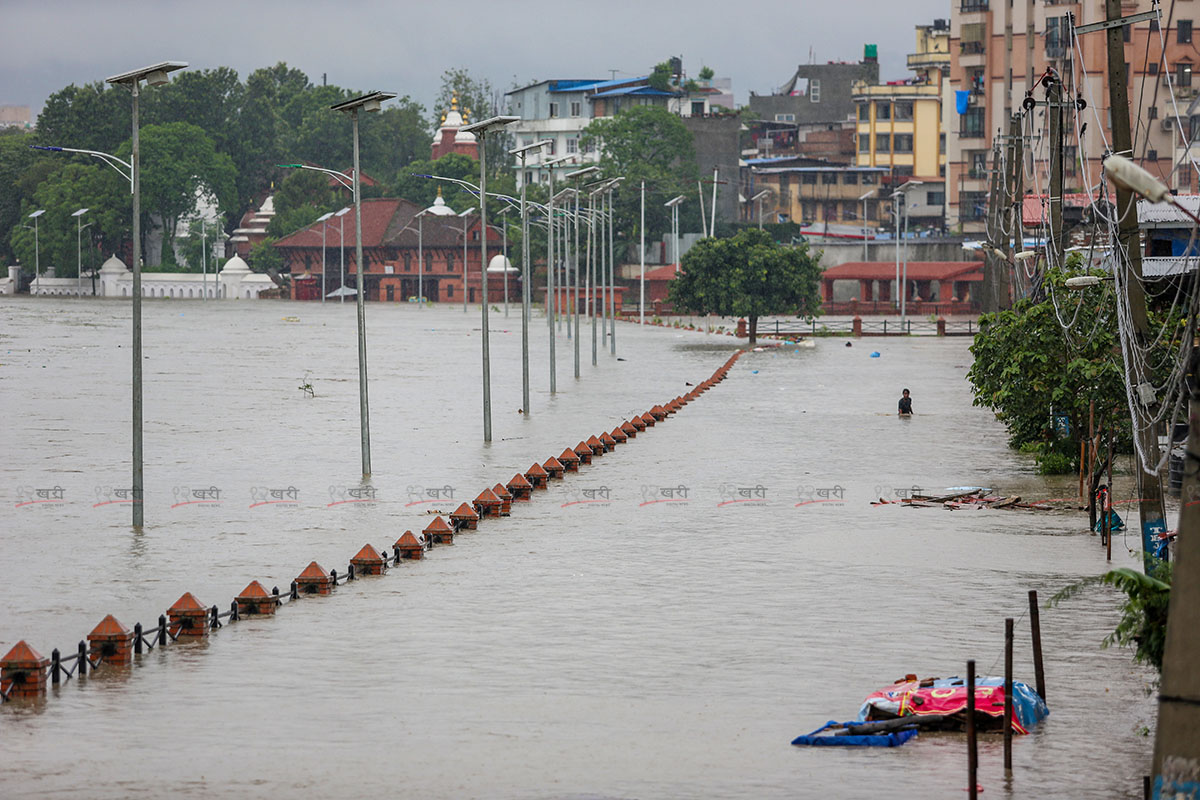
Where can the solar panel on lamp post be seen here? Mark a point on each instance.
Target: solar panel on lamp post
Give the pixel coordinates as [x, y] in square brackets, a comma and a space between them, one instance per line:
[154, 75]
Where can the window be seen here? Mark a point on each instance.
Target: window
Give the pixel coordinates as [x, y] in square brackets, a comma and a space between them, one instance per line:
[572, 146]
[904, 143]
[450, 290]
[814, 91]
[864, 143]
[1154, 25]
[809, 210]
[785, 117]
[935, 198]
[978, 164]
[697, 108]
[450, 262]
[904, 109]
[1152, 112]
[971, 123]
[873, 211]
[529, 176]
[883, 111]
[850, 178]
[408, 262]
[1152, 68]
[868, 179]
[829, 212]
[809, 178]
[972, 205]
[883, 143]
[1183, 75]
[829, 178]
[864, 113]
[1183, 34]
[942, 144]
[588, 146]
[576, 108]
[550, 148]
[554, 110]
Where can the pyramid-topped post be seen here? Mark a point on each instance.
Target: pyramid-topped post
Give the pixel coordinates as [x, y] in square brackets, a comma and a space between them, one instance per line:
[521, 488]
[439, 531]
[315, 579]
[464, 517]
[411, 545]
[619, 436]
[537, 475]
[584, 451]
[569, 459]
[608, 442]
[368, 561]
[23, 672]
[597, 446]
[255, 601]
[506, 498]
[188, 616]
[638, 423]
[554, 468]
[111, 640]
[487, 504]
[630, 430]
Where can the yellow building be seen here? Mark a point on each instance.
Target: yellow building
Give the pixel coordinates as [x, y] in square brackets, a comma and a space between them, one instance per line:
[899, 124]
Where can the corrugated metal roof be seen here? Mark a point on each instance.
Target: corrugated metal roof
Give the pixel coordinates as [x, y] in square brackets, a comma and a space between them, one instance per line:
[1165, 214]
[641, 91]
[830, 168]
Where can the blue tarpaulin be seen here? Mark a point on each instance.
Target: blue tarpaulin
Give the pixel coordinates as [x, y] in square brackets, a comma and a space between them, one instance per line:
[889, 739]
[962, 100]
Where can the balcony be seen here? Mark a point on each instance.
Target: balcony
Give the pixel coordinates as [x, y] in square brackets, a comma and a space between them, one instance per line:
[969, 6]
[972, 48]
[922, 60]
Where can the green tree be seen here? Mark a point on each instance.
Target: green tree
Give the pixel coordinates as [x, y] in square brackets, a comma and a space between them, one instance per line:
[91, 117]
[1143, 622]
[394, 138]
[706, 73]
[747, 275]
[661, 77]
[16, 159]
[265, 257]
[179, 161]
[478, 99]
[1054, 358]
[647, 143]
[304, 187]
[70, 187]
[423, 191]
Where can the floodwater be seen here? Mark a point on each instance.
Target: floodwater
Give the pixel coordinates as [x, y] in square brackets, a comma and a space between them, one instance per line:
[576, 649]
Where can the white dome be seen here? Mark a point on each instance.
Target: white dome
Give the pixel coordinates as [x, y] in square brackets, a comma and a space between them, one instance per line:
[500, 264]
[235, 264]
[439, 207]
[114, 264]
[464, 137]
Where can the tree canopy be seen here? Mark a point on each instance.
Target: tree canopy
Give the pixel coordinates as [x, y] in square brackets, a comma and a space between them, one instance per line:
[747, 275]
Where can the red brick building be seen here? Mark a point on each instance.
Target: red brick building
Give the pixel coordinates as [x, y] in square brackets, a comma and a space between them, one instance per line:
[449, 139]
[393, 262]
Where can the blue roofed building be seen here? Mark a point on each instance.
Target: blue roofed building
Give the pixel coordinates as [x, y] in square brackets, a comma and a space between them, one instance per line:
[557, 110]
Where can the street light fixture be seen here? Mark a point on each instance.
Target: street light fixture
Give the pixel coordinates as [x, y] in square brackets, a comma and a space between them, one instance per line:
[551, 269]
[759, 198]
[612, 268]
[322, 219]
[37, 251]
[863, 200]
[575, 176]
[902, 280]
[464, 215]
[482, 129]
[154, 75]
[674, 204]
[78, 215]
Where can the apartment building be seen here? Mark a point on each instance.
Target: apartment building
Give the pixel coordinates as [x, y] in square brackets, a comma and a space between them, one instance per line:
[999, 49]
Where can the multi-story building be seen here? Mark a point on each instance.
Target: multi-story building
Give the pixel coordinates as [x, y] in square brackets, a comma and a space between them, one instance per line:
[818, 93]
[999, 50]
[832, 198]
[899, 123]
[558, 111]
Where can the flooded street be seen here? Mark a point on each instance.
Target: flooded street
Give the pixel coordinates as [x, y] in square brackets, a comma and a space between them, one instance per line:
[620, 649]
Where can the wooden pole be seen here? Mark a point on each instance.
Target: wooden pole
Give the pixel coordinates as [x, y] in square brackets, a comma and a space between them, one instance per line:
[1108, 532]
[1008, 697]
[972, 744]
[1091, 465]
[1082, 466]
[1035, 630]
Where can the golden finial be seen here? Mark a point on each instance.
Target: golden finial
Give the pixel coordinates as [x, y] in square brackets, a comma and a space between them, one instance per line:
[443, 117]
[467, 115]
[439, 191]
[454, 100]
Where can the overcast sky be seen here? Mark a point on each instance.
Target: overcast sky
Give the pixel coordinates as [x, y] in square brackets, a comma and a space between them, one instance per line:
[404, 46]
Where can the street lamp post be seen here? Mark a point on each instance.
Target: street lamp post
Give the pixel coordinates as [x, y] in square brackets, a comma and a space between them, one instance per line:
[576, 175]
[642, 260]
[154, 75]
[904, 276]
[863, 200]
[78, 215]
[37, 251]
[324, 224]
[612, 269]
[481, 129]
[674, 204]
[464, 215]
[203, 260]
[526, 276]
[420, 217]
[369, 103]
[551, 267]
[595, 254]
[758, 198]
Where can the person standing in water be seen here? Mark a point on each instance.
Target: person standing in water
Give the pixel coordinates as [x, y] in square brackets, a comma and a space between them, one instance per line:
[905, 405]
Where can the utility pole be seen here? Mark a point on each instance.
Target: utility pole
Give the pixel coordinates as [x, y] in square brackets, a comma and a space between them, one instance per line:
[1150, 500]
[991, 292]
[1054, 101]
[1013, 243]
[1018, 192]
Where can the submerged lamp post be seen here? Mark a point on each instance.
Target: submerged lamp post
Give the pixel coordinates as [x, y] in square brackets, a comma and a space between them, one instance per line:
[482, 129]
[576, 175]
[612, 269]
[78, 215]
[526, 288]
[862, 200]
[324, 224]
[154, 75]
[674, 204]
[464, 215]
[37, 251]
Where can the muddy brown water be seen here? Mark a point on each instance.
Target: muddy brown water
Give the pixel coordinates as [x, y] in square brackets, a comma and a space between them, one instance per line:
[576, 649]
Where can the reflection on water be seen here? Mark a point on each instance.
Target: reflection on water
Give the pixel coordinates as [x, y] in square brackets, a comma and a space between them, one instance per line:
[615, 649]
